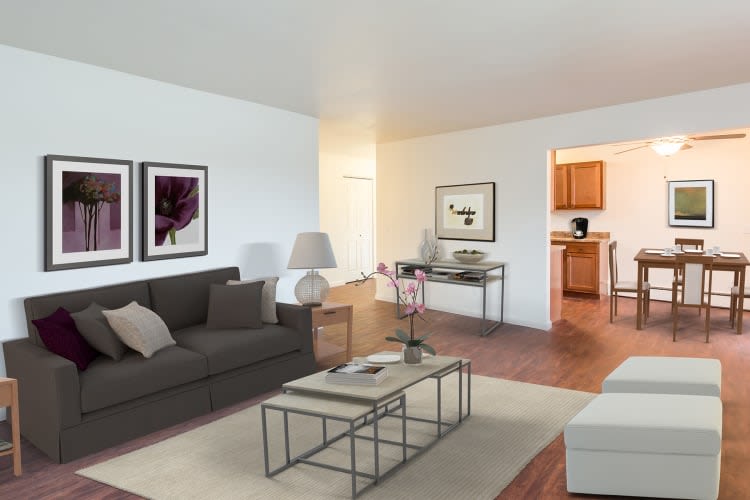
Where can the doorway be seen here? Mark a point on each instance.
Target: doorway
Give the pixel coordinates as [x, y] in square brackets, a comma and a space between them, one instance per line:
[359, 227]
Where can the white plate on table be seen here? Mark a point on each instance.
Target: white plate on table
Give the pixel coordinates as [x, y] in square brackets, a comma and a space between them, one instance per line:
[384, 358]
[730, 255]
[667, 254]
[693, 250]
[655, 252]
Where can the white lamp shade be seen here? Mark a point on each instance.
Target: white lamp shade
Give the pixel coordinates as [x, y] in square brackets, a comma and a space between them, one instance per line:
[312, 251]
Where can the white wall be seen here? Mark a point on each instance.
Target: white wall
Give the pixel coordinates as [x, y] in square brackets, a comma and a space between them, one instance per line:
[636, 209]
[262, 170]
[515, 157]
[342, 154]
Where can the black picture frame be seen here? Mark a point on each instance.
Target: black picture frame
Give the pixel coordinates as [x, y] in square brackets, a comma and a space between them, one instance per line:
[88, 213]
[465, 212]
[177, 225]
[691, 203]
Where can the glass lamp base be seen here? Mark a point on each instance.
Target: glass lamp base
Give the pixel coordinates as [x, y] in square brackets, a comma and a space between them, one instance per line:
[312, 289]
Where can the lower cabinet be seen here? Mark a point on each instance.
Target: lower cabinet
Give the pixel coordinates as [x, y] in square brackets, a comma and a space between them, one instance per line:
[581, 267]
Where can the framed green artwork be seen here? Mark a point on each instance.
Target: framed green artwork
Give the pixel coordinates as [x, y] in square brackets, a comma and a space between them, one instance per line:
[691, 203]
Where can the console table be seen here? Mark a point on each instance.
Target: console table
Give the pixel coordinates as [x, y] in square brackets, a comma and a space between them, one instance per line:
[448, 271]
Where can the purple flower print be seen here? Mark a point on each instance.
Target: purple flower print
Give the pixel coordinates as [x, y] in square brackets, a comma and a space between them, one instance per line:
[176, 204]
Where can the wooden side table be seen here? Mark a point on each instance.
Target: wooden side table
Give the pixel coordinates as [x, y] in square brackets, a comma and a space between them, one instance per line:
[9, 398]
[331, 313]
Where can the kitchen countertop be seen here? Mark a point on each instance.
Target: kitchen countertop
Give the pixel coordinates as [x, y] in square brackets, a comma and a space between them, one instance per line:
[562, 237]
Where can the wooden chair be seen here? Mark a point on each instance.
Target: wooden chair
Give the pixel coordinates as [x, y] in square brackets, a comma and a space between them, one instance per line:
[616, 286]
[693, 269]
[695, 243]
[734, 302]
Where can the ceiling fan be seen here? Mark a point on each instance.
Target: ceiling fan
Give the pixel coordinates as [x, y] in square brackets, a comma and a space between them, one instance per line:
[667, 146]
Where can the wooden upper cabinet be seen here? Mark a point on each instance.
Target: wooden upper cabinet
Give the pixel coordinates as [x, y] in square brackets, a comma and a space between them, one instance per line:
[579, 185]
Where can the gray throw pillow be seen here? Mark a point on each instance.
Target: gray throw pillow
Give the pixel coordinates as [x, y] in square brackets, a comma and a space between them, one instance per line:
[235, 306]
[268, 297]
[139, 328]
[95, 328]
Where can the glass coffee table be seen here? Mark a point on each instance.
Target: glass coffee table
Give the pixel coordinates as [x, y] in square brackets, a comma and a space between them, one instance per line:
[360, 406]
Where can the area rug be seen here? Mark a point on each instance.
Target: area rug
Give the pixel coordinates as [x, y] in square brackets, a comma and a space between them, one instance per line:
[510, 423]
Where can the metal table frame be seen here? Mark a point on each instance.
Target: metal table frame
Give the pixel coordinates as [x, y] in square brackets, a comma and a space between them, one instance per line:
[482, 267]
[380, 409]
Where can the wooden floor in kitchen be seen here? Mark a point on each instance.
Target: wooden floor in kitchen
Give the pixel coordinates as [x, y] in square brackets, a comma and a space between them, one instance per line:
[577, 353]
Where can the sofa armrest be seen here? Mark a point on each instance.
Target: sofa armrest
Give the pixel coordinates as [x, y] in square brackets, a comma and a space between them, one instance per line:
[49, 395]
[297, 317]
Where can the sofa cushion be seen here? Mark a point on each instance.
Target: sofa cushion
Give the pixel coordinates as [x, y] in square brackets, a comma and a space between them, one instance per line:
[139, 328]
[182, 300]
[108, 382]
[268, 297]
[110, 297]
[59, 334]
[96, 330]
[226, 349]
[234, 306]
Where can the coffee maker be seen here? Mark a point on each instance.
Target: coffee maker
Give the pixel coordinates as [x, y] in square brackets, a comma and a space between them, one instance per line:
[580, 227]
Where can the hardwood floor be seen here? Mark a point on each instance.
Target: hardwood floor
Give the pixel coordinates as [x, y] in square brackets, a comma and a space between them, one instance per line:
[577, 353]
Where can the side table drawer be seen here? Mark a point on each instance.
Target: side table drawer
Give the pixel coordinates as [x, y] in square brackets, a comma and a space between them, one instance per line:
[325, 317]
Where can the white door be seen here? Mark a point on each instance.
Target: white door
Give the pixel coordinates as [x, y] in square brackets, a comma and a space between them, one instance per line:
[359, 209]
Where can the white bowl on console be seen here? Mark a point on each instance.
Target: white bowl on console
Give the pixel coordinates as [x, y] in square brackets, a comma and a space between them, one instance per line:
[469, 258]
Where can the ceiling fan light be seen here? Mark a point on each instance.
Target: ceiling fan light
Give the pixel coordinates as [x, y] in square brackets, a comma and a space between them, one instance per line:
[668, 146]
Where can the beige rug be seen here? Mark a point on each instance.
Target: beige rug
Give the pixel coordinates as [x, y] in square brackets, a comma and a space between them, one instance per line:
[510, 423]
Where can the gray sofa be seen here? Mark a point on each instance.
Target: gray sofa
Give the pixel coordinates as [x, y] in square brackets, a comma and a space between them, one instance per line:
[68, 413]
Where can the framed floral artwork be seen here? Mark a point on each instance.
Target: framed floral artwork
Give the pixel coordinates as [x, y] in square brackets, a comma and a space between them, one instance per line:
[175, 210]
[88, 212]
[465, 212]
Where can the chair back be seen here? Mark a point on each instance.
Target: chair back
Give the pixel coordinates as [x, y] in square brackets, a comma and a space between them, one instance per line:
[689, 242]
[612, 265]
[694, 269]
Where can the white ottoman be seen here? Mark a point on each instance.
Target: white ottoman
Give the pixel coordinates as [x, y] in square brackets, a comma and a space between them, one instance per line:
[653, 445]
[664, 375]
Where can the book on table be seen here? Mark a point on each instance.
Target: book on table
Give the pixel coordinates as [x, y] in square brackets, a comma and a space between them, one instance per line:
[357, 374]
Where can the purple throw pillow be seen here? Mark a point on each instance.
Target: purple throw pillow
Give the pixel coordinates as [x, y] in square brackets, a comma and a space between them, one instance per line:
[59, 333]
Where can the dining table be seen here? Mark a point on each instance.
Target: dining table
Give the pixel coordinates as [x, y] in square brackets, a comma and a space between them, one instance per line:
[651, 258]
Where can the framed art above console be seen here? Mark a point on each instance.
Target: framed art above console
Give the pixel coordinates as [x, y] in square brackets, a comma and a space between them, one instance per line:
[465, 212]
[88, 212]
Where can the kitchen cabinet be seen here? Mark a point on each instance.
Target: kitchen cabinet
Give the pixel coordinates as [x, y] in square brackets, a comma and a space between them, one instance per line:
[581, 267]
[579, 185]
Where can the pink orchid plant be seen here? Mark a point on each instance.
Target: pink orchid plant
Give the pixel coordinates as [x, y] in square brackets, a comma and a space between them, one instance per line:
[408, 293]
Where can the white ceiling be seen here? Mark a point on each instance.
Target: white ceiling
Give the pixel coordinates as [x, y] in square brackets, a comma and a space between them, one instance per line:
[403, 68]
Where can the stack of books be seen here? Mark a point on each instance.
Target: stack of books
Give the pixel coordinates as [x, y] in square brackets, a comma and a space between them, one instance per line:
[356, 374]
[469, 276]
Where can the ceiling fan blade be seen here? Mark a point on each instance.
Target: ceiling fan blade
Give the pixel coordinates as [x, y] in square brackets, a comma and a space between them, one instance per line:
[632, 149]
[722, 136]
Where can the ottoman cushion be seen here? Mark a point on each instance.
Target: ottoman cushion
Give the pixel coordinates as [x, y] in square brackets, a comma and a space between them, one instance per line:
[648, 423]
[647, 445]
[666, 375]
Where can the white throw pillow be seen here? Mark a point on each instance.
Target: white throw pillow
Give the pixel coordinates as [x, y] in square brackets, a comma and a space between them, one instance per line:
[139, 328]
[267, 299]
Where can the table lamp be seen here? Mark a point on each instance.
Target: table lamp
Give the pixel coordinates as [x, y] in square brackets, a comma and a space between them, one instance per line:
[312, 251]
